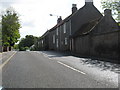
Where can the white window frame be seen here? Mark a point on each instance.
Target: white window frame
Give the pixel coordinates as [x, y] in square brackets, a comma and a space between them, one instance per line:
[57, 43]
[53, 39]
[66, 41]
[70, 26]
[38, 43]
[56, 31]
[64, 27]
[42, 42]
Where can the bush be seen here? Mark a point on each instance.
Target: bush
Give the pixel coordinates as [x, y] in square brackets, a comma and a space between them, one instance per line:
[23, 48]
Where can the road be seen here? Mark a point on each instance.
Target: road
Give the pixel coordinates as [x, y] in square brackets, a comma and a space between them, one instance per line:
[35, 70]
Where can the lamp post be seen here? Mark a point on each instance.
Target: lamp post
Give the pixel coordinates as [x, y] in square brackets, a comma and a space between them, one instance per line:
[58, 17]
[55, 15]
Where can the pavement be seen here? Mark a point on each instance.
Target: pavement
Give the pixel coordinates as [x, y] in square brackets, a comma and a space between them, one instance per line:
[5, 55]
[99, 70]
[3, 58]
[48, 69]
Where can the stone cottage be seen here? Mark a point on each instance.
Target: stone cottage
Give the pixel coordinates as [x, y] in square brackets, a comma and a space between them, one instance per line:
[86, 32]
[60, 33]
[100, 38]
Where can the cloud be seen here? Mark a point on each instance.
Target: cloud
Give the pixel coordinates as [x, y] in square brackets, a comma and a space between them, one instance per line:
[34, 14]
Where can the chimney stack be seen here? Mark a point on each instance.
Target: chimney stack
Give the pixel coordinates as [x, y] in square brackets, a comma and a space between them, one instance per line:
[74, 8]
[107, 12]
[59, 19]
[88, 2]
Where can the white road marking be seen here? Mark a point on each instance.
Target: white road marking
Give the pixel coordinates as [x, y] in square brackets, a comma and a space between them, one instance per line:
[45, 55]
[71, 67]
[2, 65]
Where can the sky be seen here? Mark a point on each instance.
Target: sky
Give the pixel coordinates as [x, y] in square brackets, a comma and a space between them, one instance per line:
[34, 14]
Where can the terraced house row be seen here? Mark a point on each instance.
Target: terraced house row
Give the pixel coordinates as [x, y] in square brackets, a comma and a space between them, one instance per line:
[86, 32]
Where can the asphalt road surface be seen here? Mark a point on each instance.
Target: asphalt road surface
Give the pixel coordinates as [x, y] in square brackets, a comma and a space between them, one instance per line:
[34, 70]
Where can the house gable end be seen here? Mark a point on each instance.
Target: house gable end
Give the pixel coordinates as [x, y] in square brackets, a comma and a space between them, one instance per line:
[84, 15]
[106, 24]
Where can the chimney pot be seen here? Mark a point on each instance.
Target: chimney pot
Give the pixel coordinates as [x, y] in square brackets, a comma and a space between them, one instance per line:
[74, 8]
[107, 12]
[74, 5]
[88, 0]
[59, 19]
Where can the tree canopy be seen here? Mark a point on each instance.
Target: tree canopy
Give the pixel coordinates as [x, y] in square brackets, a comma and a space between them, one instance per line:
[10, 28]
[114, 5]
[27, 42]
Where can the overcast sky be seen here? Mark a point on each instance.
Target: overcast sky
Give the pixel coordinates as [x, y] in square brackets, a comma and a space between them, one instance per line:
[34, 14]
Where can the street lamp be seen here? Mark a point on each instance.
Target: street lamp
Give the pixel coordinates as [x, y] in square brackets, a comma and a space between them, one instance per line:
[59, 19]
[54, 15]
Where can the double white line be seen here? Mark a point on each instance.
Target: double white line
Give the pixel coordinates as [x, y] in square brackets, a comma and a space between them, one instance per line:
[2, 65]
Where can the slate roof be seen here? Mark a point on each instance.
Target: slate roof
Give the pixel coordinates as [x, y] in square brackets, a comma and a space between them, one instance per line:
[46, 33]
[86, 28]
[63, 21]
[81, 10]
[66, 19]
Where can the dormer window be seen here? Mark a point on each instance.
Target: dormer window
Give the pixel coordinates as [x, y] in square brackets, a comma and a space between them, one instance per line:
[64, 28]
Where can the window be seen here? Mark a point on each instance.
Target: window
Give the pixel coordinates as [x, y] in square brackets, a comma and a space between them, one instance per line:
[57, 43]
[57, 31]
[38, 43]
[70, 26]
[65, 41]
[64, 27]
[42, 41]
[53, 38]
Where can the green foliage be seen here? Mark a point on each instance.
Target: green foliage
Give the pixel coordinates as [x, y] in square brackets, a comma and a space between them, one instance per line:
[118, 23]
[28, 41]
[16, 46]
[10, 28]
[37, 46]
[23, 48]
[114, 5]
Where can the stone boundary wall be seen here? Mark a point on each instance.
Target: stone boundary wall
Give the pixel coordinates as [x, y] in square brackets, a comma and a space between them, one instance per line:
[106, 45]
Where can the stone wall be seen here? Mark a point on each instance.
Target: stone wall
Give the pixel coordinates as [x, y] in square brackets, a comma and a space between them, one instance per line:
[106, 45]
[82, 45]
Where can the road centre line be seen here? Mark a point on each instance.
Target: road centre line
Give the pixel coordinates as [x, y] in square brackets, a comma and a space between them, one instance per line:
[2, 65]
[71, 67]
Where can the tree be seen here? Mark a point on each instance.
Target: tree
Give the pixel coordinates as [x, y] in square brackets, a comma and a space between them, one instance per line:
[10, 28]
[16, 47]
[27, 42]
[114, 5]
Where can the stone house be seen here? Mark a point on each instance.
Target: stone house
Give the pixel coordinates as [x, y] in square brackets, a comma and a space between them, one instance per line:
[86, 32]
[60, 33]
[100, 38]
[43, 42]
